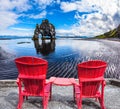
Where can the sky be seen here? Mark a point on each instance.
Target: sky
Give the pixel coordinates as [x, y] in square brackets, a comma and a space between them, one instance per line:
[70, 17]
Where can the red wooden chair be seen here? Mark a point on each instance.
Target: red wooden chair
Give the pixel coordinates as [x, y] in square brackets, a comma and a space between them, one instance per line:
[32, 79]
[91, 82]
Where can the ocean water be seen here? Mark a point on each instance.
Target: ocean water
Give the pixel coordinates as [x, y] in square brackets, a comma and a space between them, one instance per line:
[62, 54]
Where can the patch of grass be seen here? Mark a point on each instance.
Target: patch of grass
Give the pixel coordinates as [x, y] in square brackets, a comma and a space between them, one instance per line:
[110, 34]
[101, 36]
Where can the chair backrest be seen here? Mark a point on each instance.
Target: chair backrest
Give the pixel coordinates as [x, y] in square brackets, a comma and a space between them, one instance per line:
[32, 72]
[91, 69]
[31, 66]
[89, 73]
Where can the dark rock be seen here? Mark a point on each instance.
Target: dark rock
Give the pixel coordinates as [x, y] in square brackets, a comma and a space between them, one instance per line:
[45, 29]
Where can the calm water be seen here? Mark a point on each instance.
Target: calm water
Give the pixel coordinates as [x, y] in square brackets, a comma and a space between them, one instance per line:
[63, 55]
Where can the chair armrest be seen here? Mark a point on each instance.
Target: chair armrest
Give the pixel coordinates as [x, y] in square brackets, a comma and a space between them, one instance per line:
[73, 81]
[18, 81]
[51, 80]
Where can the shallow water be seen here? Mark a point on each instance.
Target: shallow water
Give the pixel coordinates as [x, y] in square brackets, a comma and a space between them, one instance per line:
[63, 55]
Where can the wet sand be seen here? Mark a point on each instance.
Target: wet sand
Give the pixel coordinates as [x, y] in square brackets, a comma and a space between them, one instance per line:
[108, 51]
[7, 65]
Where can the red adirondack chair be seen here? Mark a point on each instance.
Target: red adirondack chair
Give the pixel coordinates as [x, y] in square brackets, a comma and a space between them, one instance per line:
[91, 82]
[32, 79]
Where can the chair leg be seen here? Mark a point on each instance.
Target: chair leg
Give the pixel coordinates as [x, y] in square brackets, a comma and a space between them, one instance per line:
[20, 102]
[26, 97]
[101, 101]
[50, 91]
[74, 93]
[45, 102]
[79, 102]
[78, 95]
[102, 95]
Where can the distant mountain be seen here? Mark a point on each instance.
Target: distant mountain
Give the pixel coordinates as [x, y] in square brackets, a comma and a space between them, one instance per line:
[82, 37]
[13, 37]
[111, 34]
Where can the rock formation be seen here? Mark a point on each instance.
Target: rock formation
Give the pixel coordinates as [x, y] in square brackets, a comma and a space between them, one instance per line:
[45, 29]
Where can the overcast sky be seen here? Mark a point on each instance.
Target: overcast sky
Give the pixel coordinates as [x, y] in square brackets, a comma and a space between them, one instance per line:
[70, 17]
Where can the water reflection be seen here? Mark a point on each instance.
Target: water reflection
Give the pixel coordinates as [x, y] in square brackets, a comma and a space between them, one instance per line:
[45, 47]
[64, 56]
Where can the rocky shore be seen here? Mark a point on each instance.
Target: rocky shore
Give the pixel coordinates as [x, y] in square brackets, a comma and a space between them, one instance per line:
[62, 97]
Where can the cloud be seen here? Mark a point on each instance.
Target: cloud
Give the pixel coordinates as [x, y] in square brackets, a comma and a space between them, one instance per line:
[63, 32]
[67, 6]
[81, 6]
[68, 32]
[19, 5]
[97, 16]
[44, 3]
[41, 15]
[7, 19]
[17, 32]
[94, 24]
[22, 29]
[10, 11]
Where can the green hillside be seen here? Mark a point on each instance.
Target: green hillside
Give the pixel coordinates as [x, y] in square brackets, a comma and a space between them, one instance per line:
[111, 34]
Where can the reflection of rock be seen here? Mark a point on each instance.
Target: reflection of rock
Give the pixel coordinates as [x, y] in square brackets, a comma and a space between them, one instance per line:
[45, 47]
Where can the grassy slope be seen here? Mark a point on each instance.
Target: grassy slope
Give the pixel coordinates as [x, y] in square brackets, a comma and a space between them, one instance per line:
[110, 34]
